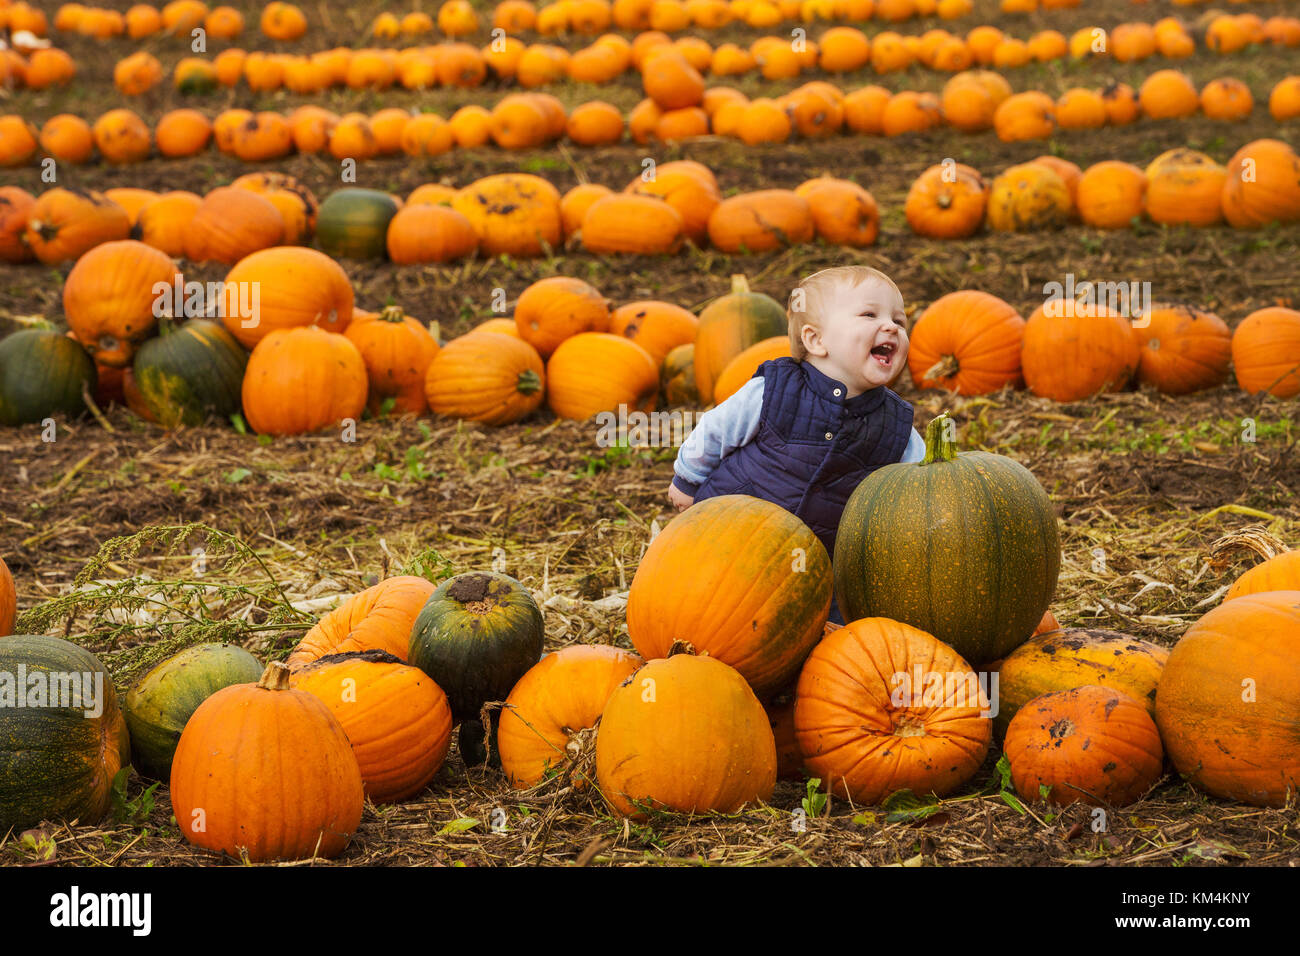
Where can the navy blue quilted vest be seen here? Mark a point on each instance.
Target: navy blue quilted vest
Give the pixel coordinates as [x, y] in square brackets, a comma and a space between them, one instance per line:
[813, 446]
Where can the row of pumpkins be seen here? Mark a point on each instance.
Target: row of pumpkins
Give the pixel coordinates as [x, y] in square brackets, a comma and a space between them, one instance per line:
[278, 20]
[764, 687]
[971, 101]
[838, 50]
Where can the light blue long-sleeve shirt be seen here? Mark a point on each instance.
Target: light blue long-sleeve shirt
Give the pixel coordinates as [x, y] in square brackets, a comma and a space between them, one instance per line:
[734, 423]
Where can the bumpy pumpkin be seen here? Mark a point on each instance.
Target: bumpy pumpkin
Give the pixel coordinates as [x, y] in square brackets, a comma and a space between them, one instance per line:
[376, 619]
[480, 379]
[1092, 745]
[967, 342]
[163, 700]
[1182, 349]
[1028, 197]
[59, 751]
[476, 636]
[561, 697]
[650, 751]
[110, 298]
[882, 706]
[303, 380]
[1228, 702]
[512, 213]
[773, 566]
[1073, 350]
[1065, 659]
[730, 324]
[190, 372]
[43, 373]
[596, 372]
[266, 770]
[396, 718]
[962, 545]
[397, 351]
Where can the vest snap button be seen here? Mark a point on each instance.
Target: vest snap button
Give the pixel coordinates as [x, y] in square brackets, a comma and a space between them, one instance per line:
[829, 436]
[837, 393]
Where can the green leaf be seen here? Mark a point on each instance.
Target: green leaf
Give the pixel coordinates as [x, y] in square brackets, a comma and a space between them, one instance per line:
[1010, 800]
[237, 420]
[264, 439]
[236, 475]
[459, 825]
[904, 805]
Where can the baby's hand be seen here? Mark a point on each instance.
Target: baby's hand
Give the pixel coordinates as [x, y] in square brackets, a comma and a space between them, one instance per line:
[679, 499]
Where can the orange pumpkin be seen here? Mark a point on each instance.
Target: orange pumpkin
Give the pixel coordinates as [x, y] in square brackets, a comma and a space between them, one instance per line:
[761, 221]
[968, 342]
[68, 138]
[1092, 745]
[295, 287]
[867, 731]
[1072, 350]
[1266, 352]
[1167, 94]
[63, 224]
[1262, 185]
[109, 298]
[563, 695]
[485, 377]
[379, 618]
[182, 132]
[844, 213]
[302, 380]
[1279, 573]
[1182, 350]
[268, 771]
[1111, 194]
[8, 599]
[15, 208]
[947, 201]
[620, 223]
[232, 223]
[1185, 187]
[658, 327]
[1022, 116]
[594, 372]
[165, 222]
[513, 213]
[396, 718]
[131, 199]
[1226, 98]
[1229, 700]
[296, 203]
[688, 187]
[576, 202]
[397, 351]
[552, 310]
[121, 137]
[742, 368]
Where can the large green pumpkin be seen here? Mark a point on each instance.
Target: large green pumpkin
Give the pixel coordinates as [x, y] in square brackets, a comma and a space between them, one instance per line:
[160, 704]
[353, 223]
[476, 636]
[962, 545]
[43, 373]
[189, 372]
[729, 325]
[55, 761]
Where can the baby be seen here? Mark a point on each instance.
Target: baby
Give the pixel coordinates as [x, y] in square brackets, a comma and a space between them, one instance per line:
[805, 431]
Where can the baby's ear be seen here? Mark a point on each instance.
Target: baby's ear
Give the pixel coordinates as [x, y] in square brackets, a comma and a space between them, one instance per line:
[811, 337]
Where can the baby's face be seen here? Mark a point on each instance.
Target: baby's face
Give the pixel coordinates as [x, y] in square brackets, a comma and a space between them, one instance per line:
[864, 335]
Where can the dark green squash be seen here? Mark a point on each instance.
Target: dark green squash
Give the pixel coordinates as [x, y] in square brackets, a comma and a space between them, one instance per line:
[353, 223]
[43, 373]
[56, 762]
[476, 749]
[190, 371]
[961, 545]
[161, 702]
[476, 636]
[729, 325]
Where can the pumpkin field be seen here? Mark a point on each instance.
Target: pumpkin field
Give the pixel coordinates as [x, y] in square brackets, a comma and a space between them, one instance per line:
[313, 321]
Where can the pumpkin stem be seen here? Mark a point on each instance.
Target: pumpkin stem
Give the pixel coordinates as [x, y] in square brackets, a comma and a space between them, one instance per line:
[275, 677]
[739, 285]
[938, 445]
[946, 367]
[528, 382]
[682, 647]
[166, 325]
[1258, 540]
[391, 313]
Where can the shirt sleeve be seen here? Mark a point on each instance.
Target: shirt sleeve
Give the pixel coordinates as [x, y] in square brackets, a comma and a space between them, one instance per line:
[718, 432]
[915, 450]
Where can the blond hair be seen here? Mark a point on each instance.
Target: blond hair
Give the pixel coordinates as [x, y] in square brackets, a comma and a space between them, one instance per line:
[813, 292]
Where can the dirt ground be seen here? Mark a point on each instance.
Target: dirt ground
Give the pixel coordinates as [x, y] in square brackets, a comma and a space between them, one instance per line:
[1144, 484]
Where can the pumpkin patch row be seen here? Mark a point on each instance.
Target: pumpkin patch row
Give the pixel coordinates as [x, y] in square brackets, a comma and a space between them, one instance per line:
[839, 50]
[278, 21]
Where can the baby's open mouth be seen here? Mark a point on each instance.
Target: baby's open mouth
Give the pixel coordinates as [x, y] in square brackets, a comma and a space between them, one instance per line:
[884, 353]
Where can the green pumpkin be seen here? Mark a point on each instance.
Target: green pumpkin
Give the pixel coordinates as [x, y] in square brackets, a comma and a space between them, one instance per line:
[190, 371]
[43, 373]
[55, 761]
[353, 223]
[961, 545]
[729, 325]
[160, 704]
[476, 636]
